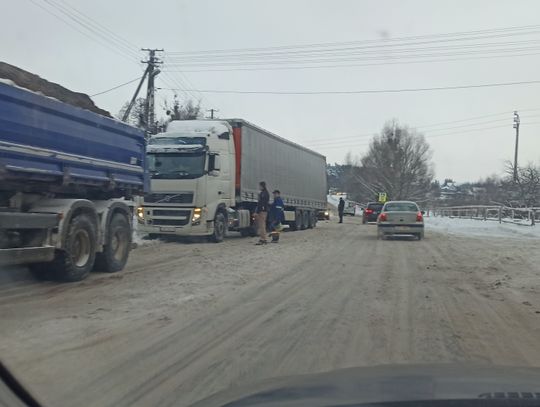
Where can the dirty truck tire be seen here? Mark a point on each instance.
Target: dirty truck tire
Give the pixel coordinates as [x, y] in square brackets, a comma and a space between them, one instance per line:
[220, 225]
[75, 262]
[117, 246]
[304, 220]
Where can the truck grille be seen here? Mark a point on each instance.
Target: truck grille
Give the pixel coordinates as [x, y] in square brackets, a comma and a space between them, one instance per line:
[170, 212]
[186, 197]
[170, 222]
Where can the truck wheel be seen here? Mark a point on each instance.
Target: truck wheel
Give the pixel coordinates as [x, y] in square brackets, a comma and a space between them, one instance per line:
[297, 224]
[312, 221]
[305, 221]
[75, 262]
[220, 225]
[116, 250]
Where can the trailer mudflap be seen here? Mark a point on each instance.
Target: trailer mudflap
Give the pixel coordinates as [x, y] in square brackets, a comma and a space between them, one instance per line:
[26, 255]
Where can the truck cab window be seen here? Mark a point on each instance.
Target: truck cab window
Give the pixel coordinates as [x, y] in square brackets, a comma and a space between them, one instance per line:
[176, 165]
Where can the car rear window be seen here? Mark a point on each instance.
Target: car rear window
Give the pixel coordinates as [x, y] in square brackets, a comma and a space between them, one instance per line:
[401, 207]
[375, 206]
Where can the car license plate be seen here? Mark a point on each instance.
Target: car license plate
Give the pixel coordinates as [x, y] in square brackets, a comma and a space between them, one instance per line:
[401, 228]
[167, 229]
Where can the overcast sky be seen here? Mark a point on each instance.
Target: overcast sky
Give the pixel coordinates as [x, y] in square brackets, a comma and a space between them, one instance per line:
[35, 40]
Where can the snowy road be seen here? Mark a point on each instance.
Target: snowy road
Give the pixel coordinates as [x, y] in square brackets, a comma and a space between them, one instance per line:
[186, 320]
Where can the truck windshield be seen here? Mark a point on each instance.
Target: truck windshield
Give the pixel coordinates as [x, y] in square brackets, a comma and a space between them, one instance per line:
[176, 165]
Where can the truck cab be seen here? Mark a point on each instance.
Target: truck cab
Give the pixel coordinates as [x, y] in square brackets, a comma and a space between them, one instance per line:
[192, 186]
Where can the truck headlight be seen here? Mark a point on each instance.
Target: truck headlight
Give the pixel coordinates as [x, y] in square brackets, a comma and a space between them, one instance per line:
[196, 219]
[140, 214]
[326, 213]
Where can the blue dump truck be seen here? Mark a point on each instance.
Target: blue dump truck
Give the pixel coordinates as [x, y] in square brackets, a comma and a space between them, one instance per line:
[68, 178]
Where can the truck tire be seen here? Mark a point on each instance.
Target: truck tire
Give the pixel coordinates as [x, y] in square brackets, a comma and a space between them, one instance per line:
[294, 226]
[311, 220]
[220, 226]
[314, 219]
[115, 252]
[76, 260]
[305, 221]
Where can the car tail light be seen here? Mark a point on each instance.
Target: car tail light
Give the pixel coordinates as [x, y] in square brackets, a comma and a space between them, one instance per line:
[419, 217]
[383, 217]
[368, 211]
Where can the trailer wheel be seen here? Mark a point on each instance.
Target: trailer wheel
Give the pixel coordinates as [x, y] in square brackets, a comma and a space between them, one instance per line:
[75, 262]
[116, 249]
[297, 224]
[220, 225]
[304, 217]
[311, 220]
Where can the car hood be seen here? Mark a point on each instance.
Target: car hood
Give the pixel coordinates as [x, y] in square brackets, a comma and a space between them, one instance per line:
[389, 384]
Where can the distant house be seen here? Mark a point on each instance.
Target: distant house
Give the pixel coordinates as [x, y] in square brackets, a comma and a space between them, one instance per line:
[449, 190]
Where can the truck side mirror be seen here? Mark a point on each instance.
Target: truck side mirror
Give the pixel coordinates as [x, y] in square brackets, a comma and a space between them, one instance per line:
[214, 163]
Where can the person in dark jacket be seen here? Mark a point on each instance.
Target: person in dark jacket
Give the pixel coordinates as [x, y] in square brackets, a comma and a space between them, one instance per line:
[262, 211]
[341, 209]
[276, 216]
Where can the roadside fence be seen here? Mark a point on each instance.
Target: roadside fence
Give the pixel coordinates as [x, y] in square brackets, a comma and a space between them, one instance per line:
[501, 214]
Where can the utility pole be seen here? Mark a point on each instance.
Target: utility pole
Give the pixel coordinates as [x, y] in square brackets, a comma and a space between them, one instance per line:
[212, 112]
[153, 71]
[516, 126]
[134, 98]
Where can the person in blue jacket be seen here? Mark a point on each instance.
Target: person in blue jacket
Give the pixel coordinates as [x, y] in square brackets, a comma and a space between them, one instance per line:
[276, 216]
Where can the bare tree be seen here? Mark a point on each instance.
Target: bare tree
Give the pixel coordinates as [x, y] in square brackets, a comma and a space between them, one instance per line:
[136, 114]
[525, 190]
[398, 162]
[186, 111]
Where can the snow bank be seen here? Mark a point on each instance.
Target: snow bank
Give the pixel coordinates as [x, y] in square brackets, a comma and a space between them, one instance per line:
[481, 228]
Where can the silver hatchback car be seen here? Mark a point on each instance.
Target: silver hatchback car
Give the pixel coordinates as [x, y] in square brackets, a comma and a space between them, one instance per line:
[400, 218]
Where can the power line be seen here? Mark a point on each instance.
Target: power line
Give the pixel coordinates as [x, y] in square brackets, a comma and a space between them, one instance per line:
[91, 28]
[247, 58]
[383, 57]
[427, 137]
[126, 42]
[87, 35]
[372, 91]
[115, 87]
[407, 62]
[385, 40]
[326, 141]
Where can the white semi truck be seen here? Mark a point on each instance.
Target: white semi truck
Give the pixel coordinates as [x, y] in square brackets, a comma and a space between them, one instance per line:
[205, 176]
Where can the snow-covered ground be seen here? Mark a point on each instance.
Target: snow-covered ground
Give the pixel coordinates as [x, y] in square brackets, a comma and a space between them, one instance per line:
[472, 227]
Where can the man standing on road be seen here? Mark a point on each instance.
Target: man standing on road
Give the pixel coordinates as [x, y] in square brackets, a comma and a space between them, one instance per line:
[341, 208]
[262, 211]
[276, 216]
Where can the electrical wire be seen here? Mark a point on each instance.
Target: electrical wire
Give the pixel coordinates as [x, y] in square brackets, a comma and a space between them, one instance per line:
[116, 87]
[427, 137]
[370, 91]
[407, 62]
[90, 28]
[383, 40]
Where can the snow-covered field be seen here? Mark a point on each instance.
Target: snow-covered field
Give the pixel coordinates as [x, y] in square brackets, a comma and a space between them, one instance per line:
[472, 227]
